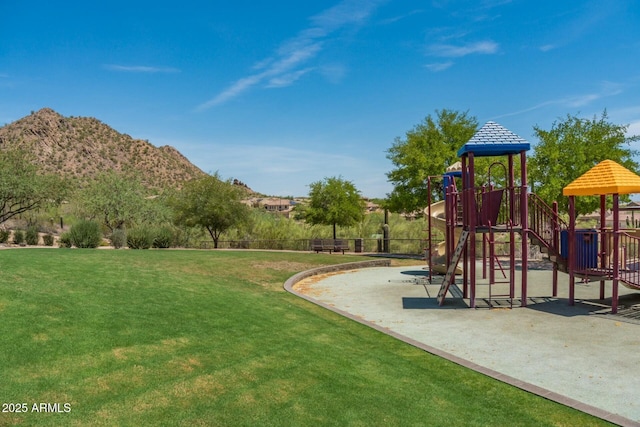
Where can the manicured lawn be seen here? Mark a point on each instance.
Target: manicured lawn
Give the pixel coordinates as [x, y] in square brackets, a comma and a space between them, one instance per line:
[210, 338]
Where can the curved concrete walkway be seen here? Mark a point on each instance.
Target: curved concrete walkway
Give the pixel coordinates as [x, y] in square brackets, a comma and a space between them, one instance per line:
[579, 356]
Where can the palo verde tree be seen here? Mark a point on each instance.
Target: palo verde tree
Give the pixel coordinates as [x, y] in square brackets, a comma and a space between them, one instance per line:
[115, 200]
[427, 149]
[569, 149]
[212, 204]
[23, 188]
[333, 201]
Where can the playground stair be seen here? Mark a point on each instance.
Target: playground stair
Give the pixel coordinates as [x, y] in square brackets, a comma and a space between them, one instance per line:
[552, 254]
[544, 228]
[451, 270]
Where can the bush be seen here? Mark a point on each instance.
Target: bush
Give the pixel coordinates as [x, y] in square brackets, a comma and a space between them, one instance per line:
[86, 234]
[4, 236]
[65, 240]
[140, 238]
[18, 237]
[32, 237]
[118, 238]
[163, 238]
[47, 239]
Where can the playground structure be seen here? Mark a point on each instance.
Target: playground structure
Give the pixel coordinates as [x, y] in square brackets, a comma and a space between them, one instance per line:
[512, 211]
[437, 219]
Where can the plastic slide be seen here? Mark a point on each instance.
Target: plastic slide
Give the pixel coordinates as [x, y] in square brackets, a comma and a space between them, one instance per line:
[438, 257]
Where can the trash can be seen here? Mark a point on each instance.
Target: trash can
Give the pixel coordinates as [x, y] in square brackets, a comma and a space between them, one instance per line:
[358, 245]
[585, 247]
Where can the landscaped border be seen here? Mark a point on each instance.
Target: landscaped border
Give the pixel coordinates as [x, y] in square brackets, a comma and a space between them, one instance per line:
[547, 394]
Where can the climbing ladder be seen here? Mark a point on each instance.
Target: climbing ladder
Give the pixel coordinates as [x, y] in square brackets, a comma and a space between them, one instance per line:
[451, 271]
[511, 267]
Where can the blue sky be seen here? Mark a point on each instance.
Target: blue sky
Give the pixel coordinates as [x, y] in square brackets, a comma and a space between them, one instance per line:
[280, 94]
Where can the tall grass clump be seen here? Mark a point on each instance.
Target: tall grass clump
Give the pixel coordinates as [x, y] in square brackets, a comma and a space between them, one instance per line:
[47, 239]
[18, 237]
[32, 237]
[85, 234]
[163, 238]
[118, 238]
[65, 240]
[140, 238]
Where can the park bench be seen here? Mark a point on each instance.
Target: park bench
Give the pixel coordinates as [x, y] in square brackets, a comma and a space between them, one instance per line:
[329, 245]
[340, 245]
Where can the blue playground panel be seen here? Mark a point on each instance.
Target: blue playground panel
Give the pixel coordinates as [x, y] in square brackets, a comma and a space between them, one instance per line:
[586, 247]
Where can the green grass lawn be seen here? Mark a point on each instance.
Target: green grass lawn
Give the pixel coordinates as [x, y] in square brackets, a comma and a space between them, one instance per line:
[210, 338]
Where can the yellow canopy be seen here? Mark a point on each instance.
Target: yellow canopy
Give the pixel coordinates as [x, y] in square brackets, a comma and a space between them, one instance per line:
[607, 177]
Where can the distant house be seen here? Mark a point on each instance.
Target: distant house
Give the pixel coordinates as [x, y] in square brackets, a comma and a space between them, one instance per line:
[628, 217]
[371, 207]
[274, 204]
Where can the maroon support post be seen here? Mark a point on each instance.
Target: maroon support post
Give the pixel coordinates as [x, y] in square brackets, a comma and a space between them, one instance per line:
[556, 245]
[524, 223]
[603, 238]
[472, 232]
[571, 249]
[616, 254]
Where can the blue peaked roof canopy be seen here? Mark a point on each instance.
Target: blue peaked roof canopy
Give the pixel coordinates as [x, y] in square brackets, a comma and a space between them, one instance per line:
[493, 139]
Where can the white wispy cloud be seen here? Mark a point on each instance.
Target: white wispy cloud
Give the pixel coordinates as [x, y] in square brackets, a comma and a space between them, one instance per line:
[583, 20]
[281, 170]
[634, 128]
[395, 19]
[606, 89]
[628, 116]
[140, 69]
[288, 79]
[334, 73]
[439, 66]
[287, 64]
[455, 51]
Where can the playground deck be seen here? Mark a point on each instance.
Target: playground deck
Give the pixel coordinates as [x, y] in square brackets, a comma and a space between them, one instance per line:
[581, 355]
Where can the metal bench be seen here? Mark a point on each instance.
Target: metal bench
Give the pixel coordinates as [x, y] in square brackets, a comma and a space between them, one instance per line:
[329, 245]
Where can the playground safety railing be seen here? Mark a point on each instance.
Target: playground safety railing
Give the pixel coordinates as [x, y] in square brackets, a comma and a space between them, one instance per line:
[545, 223]
[628, 255]
[594, 255]
[498, 206]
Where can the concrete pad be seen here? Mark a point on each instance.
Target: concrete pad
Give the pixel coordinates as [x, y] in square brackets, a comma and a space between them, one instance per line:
[579, 352]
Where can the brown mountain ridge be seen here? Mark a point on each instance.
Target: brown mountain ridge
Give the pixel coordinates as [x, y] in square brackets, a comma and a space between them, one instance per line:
[82, 147]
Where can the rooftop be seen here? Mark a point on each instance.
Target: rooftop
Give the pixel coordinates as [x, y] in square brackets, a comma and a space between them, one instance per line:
[607, 177]
[492, 139]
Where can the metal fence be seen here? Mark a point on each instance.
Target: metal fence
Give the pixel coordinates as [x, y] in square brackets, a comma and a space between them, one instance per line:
[357, 245]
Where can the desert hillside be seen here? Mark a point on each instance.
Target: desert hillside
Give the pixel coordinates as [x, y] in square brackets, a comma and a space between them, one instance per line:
[81, 147]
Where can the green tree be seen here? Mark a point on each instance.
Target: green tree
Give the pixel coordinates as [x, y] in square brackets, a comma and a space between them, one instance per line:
[114, 199]
[427, 149]
[333, 201]
[569, 149]
[212, 204]
[23, 188]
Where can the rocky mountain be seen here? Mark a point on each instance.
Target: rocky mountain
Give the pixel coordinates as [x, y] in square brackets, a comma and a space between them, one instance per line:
[82, 147]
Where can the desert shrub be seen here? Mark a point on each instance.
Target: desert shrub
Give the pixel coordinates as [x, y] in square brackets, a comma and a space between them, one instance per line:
[32, 237]
[18, 237]
[140, 238]
[163, 237]
[47, 239]
[118, 238]
[187, 237]
[4, 236]
[65, 240]
[85, 234]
